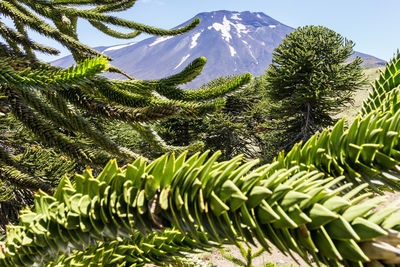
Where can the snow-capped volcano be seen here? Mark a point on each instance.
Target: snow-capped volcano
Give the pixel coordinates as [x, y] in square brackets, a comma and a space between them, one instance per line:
[232, 42]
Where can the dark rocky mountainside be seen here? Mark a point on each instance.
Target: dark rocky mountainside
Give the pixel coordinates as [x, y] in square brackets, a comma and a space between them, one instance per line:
[232, 42]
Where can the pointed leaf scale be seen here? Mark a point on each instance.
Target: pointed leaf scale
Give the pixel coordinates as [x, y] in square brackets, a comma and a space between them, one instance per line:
[298, 216]
[325, 244]
[336, 203]
[58, 194]
[284, 220]
[169, 171]
[246, 217]
[128, 191]
[320, 216]
[80, 184]
[108, 172]
[293, 197]
[392, 221]
[367, 230]
[379, 216]
[131, 173]
[163, 200]
[341, 229]
[257, 194]
[360, 210]
[351, 251]
[83, 205]
[230, 190]
[217, 205]
[151, 186]
[141, 202]
[265, 213]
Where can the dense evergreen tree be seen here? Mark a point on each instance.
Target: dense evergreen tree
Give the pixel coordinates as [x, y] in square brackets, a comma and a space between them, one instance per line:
[310, 79]
[311, 201]
[236, 129]
[308, 82]
[69, 109]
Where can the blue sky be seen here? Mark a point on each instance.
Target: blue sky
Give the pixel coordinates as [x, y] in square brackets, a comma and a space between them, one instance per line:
[371, 24]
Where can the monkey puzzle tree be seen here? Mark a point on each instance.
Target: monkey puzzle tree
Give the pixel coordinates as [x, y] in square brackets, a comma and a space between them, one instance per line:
[311, 202]
[229, 130]
[58, 105]
[309, 80]
[55, 104]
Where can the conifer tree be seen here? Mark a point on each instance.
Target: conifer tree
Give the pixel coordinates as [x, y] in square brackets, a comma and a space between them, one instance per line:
[68, 108]
[56, 105]
[310, 79]
[310, 202]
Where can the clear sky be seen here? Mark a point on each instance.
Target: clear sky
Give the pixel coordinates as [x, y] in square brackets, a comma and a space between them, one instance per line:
[372, 24]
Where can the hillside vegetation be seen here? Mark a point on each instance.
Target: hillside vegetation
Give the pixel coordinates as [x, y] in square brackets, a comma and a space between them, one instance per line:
[358, 97]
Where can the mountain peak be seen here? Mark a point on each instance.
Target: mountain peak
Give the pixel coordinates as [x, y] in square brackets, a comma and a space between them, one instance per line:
[233, 43]
[254, 19]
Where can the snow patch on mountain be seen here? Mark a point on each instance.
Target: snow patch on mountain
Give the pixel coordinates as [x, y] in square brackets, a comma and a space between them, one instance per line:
[272, 26]
[252, 55]
[232, 50]
[236, 16]
[225, 28]
[160, 40]
[240, 28]
[118, 47]
[183, 60]
[194, 40]
[250, 51]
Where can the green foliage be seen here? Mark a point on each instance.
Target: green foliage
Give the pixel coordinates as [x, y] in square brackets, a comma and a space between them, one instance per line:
[67, 109]
[233, 130]
[36, 167]
[14, 200]
[246, 253]
[308, 80]
[387, 80]
[368, 151]
[168, 247]
[297, 210]
[45, 165]
[299, 202]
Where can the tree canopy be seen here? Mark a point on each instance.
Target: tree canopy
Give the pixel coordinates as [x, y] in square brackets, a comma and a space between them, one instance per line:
[310, 78]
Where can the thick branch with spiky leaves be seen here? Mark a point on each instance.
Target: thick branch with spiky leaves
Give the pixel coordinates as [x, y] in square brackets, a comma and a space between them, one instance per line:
[168, 247]
[368, 151]
[60, 105]
[41, 97]
[302, 202]
[388, 79]
[300, 211]
[64, 15]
